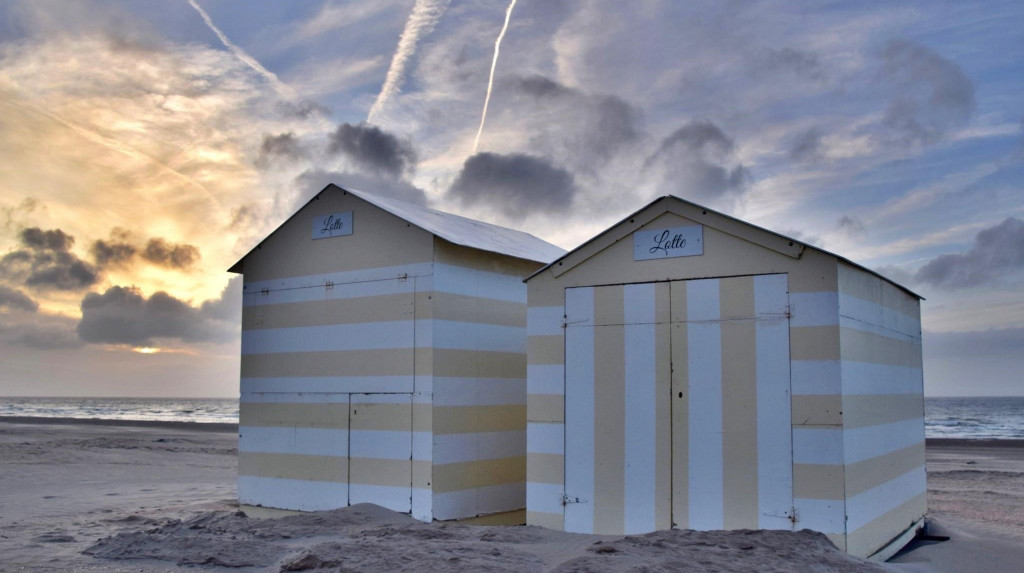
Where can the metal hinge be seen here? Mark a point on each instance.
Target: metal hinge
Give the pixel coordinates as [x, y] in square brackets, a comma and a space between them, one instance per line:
[403, 277]
[566, 500]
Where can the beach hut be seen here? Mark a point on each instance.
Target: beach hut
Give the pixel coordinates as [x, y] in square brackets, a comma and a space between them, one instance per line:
[687, 369]
[383, 360]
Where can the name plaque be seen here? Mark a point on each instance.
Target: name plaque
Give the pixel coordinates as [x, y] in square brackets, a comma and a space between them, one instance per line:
[666, 243]
[333, 225]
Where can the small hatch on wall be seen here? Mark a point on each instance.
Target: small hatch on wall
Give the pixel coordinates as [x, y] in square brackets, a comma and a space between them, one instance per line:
[332, 225]
[666, 243]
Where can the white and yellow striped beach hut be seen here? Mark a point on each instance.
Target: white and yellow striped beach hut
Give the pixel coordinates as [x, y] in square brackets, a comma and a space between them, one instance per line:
[384, 360]
[687, 369]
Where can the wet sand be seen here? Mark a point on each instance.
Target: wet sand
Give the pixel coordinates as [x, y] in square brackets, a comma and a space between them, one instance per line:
[157, 497]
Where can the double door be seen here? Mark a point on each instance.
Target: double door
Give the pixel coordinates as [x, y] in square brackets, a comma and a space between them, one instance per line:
[677, 406]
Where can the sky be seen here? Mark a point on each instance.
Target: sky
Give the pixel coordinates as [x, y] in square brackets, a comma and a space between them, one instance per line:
[147, 146]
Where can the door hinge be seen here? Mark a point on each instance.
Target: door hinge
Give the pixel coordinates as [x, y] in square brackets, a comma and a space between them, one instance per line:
[566, 500]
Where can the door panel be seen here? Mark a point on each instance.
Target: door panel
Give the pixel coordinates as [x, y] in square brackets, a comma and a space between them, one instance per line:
[380, 450]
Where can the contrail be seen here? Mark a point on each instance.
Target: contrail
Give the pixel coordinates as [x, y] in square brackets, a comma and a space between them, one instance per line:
[422, 19]
[279, 86]
[490, 81]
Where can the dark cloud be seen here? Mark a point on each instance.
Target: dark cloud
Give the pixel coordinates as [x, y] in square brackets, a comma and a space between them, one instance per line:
[996, 250]
[118, 250]
[373, 150]
[694, 162]
[800, 63]
[590, 128]
[45, 262]
[284, 147]
[806, 146]
[516, 185]
[15, 299]
[122, 315]
[932, 94]
[176, 256]
[314, 180]
[45, 337]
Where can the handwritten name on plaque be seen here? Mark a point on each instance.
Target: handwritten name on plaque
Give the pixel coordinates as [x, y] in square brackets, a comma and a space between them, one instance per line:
[333, 225]
[666, 243]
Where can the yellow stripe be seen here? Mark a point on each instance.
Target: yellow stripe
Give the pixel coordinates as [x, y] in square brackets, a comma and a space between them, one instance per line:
[545, 468]
[373, 471]
[873, 535]
[294, 415]
[293, 466]
[475, 419]
[680, 409]
[818, 481]
[862, 346]
[872, 410]
[479, 473]
[609, 411]
[817, 410]
[663, 410]
[555, 521]
[546, 407]
[739, 406]
[814, 342]
[872, 472]
[465, 308]
[387, 362]
[546, 348]
[478, 364]
[332, 311]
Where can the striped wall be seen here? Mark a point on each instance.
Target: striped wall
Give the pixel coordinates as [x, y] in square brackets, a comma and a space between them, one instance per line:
[479, 383]
[883, 409]
[399, 384]
[673, 396]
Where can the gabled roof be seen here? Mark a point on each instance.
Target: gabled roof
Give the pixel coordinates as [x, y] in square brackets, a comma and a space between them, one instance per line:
[452, 228]
[720, 221]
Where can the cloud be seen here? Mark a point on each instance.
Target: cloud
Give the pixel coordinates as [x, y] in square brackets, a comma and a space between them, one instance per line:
[806, 146]
[516, 185]
[117, 251]
[585, 130]
[996, 250]
[693, 162]
[45, 262]
[45, 337]
[175, 256]
[123, 315]
[313, 180]
[933, 95]
[852, 226]
[15, 299]
[284, 147]
[982, 343]
[373, 150]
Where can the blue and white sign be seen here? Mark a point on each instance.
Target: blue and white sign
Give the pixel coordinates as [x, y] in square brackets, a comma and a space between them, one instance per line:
[333, 225]
[666, 243]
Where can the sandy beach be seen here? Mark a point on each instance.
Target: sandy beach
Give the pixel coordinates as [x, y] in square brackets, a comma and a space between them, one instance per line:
[153, 497]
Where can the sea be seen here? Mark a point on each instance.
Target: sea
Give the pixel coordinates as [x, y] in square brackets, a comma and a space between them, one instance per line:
[972, 418]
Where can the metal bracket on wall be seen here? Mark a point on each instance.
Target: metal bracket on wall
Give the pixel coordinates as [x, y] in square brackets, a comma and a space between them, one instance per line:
[566, 500]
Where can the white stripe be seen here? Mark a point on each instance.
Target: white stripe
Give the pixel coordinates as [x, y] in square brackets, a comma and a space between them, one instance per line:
[545, 438]
[862, 378]
[382, 444]
[461, 448]
[872, 441]
[290, 440]
[814, 308]
[818, 445]
[479, 501]
[545, 379]
[824, 515]
[544, 497]
[814, 377]
[423, 446]
[865, 311]
[295, 494]
[361, 336]
[704, 350]
[422, 503]
[640, 398]
[318, 390]
[373, 398]
[774, 423]
[473, 282]
[424, 333]
[879, 330]
[479, 336]
[349, 284]
[579, 411]
[391, 497]
[544, 320]
[479, 391]
[875, 502]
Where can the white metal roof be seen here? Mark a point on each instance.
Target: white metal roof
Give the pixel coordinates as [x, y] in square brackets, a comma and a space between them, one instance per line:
[467, 232]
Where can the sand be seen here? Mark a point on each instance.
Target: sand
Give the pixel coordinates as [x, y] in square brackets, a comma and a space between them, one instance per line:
[159, 497]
